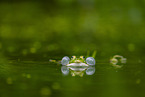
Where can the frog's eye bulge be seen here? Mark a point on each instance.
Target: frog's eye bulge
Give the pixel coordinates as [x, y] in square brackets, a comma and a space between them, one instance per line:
[82, 57]
[65, 60]
[73, 57]
[90, 61]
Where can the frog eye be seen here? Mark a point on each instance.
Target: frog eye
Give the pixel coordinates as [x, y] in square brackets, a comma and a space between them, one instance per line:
[90, 61]
[82, 57]
[73, 57]
[65, 60]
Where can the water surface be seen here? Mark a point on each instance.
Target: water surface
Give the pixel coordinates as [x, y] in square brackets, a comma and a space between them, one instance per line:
[44, 78]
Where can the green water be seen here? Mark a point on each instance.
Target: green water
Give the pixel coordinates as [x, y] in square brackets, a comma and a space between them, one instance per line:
[33, 32]
[23, 78]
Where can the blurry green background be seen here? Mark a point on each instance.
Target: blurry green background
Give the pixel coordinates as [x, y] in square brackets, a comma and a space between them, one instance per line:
[34, 31]
[71, 26]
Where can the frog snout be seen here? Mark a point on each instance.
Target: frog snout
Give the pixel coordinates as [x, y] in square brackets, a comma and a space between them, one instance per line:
[77, 61]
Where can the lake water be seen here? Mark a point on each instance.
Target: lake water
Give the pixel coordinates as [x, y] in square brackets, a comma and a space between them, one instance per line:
[41, 78]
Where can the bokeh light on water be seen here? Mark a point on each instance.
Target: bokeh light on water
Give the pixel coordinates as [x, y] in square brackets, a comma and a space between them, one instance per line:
[34, 32]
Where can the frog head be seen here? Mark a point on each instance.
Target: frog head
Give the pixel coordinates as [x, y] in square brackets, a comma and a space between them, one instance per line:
[74, 59]
[67, 61]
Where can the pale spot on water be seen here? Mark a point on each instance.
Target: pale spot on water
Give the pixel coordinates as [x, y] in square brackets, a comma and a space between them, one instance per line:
[131, 47]
[139, 61]
[138, 81]
[24, 51]
[28, 76]
[56, 86]
[9, 81]
[45, 91]
[33, 50]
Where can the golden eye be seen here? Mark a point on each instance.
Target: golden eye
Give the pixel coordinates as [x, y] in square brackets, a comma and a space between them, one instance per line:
[73, 57]
[82, 57]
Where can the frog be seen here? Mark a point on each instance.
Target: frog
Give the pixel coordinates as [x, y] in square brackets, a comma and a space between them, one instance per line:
[77, 61]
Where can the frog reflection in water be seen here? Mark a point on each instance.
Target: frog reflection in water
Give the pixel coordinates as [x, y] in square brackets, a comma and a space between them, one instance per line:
[78, 71]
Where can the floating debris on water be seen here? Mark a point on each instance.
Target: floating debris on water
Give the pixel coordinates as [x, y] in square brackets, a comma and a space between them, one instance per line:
[117, 61]
[52, 60]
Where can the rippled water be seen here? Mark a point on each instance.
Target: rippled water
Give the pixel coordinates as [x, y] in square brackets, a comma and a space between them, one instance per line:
[19, 78]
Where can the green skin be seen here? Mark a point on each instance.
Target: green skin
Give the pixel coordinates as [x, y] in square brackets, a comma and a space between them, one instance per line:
[81, 59]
